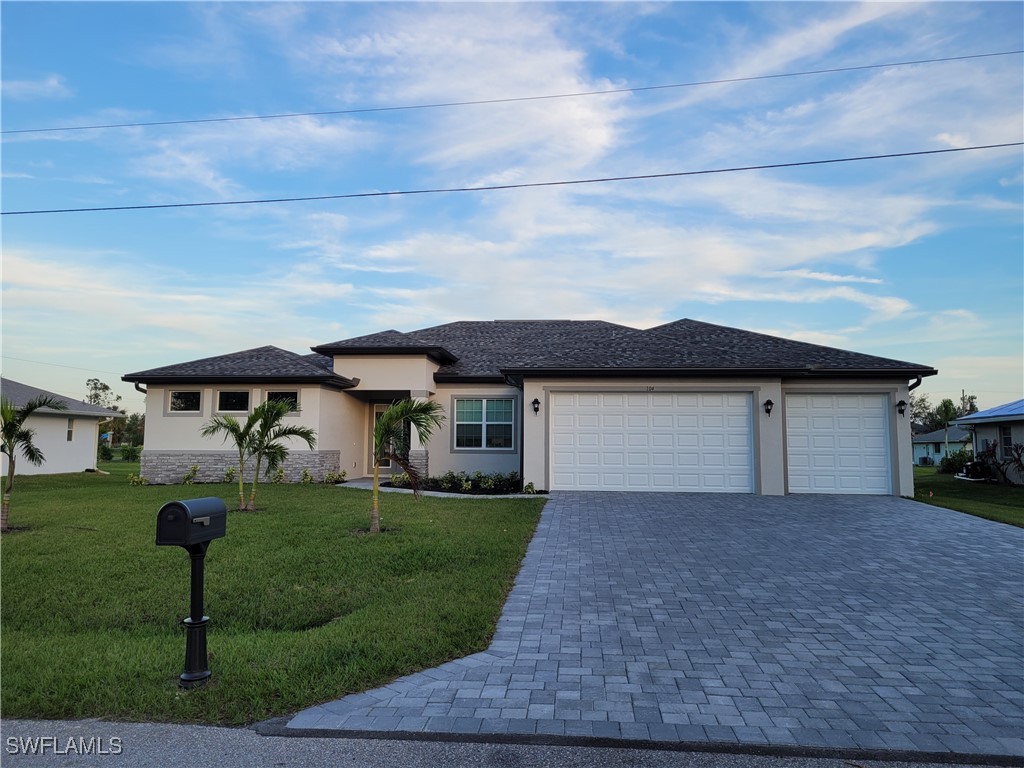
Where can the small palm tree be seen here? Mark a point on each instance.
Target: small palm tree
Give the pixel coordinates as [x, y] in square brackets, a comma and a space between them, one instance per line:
[391, 441]
[266, 439]
[241, 435]
[259, 438]
[17, 437]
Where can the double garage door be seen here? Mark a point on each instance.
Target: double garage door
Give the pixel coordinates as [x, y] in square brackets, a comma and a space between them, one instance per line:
[675, 441]
[633, 441]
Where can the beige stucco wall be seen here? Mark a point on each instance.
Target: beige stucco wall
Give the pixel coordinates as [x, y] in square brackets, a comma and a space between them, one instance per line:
[769, 433]
[445, 457]
[413, 373]
[342, 424]
[167, 431]
[62, 455]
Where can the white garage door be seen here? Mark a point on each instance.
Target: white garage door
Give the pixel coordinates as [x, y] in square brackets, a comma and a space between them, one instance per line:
[651, 441]
[838, 444]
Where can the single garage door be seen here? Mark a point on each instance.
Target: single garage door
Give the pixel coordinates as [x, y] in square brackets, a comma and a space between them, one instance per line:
[667, 441]
[838, 444]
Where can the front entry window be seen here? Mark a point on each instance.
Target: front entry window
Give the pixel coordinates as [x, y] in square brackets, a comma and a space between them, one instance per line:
[484, 423]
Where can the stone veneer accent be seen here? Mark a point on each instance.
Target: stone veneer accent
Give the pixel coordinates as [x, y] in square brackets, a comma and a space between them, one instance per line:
[418, 458]
[168, 467]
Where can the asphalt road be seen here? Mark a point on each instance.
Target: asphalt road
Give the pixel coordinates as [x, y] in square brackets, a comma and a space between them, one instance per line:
[145, 745]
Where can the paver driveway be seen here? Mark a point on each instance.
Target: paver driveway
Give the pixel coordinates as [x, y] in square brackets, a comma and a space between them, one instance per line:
[867, 623]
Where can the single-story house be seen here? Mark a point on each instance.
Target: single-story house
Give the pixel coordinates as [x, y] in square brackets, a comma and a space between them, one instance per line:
[930, 448]
[586, 405]
[68, 439]
[1001, 427]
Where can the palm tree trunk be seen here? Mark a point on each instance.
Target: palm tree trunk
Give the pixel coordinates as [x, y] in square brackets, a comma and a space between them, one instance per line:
[375, 509]
[5, 506]
[241, 480]
[252, 492]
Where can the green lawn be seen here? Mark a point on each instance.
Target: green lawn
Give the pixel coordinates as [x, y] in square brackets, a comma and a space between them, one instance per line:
[1000, 502]
[303, 609]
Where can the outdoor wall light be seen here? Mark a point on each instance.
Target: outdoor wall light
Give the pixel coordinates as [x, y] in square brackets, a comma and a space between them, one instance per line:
[536, 405]
[768, 405]
[901, 408]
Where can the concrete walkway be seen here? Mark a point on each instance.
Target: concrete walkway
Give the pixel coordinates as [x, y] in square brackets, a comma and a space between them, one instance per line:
[868, 626]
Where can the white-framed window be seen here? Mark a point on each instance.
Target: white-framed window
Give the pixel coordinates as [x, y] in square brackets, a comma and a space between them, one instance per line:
[1005, 441]
[233, 400]
[290, 396]
[485, 423]
[71, 430]
[185, 401]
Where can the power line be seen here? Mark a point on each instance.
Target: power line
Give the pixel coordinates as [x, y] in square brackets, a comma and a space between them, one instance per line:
[495, 187]
[439, 105]
[58, 365]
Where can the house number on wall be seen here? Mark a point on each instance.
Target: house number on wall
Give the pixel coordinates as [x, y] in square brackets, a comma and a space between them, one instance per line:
[650, 389]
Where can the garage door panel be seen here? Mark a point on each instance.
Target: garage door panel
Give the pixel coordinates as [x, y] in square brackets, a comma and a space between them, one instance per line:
[673, 441]
[837, 443]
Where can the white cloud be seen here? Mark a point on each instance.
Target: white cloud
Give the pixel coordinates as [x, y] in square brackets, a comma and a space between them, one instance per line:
[50, 87]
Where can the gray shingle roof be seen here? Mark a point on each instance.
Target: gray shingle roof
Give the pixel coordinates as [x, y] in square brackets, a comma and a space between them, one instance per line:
[20, 394]
[491, 349]
[267, 364]
[956, 435]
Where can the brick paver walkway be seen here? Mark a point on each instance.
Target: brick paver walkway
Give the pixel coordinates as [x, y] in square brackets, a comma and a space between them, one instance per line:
[866, 623]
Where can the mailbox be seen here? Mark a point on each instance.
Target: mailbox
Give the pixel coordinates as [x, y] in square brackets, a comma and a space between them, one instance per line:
[183, 523]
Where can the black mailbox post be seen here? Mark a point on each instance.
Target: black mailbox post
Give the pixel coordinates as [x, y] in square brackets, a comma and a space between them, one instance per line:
[193, 524]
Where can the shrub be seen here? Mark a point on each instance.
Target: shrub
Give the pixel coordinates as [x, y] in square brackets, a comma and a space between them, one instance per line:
[307, 477]
[190, 476]
[462, 482]
[528, 488]
[955, 462]
[104, 453]
[278, 476]
[334, 478]
[130, 453]
[134, 479]
[229, 474]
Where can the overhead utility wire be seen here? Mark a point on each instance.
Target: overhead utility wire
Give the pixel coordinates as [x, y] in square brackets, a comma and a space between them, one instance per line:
[494, 187]
[639, 89]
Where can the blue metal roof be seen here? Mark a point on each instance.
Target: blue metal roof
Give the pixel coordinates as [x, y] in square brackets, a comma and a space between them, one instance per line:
[1009, 412]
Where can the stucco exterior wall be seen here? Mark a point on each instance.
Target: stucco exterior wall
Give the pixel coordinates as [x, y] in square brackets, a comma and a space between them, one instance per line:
[445, 457]
[413, 373]
[173, 442]
[342, 426]
[62, 455]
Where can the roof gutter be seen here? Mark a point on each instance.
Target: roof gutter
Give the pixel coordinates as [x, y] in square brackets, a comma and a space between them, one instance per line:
[724, 372]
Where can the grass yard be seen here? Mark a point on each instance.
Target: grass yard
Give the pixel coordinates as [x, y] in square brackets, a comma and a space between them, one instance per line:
[1003, 503]
[302, 610]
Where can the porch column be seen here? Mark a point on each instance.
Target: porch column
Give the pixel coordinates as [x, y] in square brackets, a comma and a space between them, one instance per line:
[418, 454]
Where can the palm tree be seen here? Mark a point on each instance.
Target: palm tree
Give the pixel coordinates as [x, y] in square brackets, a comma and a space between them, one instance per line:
[259, 437]
[241, 435]
[266, 439]
[945, 413]
[391, 441]
[17, 437]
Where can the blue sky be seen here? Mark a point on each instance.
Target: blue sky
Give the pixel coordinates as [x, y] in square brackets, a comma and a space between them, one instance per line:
[917, 258]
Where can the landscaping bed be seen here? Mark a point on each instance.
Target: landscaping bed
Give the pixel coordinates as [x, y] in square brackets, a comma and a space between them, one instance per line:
[304, 607]
[993, 501]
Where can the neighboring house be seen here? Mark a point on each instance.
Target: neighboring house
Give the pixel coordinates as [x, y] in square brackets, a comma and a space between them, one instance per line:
[930, 448]
[586, 405]
[1001, 427]
[68, 439]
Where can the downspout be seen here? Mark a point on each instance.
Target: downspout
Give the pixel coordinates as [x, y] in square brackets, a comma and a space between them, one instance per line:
[915, 385]
[140, 389]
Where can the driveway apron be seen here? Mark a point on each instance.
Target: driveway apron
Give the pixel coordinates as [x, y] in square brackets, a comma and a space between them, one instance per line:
[818, 622]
